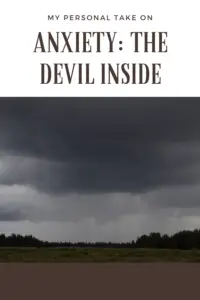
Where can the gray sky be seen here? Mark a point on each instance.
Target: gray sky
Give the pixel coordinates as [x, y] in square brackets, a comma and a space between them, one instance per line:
[99, 169]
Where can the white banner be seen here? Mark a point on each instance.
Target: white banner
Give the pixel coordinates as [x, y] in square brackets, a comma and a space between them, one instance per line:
[105, 48]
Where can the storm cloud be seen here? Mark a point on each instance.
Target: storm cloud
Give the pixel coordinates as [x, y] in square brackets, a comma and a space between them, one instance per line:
[99, 158]
[102, 145]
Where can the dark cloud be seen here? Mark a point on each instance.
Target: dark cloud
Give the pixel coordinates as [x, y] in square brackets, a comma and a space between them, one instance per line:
[10, 214]
[101, 145]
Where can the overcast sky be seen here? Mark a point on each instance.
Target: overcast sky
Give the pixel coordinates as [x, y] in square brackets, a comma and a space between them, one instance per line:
[99, 169]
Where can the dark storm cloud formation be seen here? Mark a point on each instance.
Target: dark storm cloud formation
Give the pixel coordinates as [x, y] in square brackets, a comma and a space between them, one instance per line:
[102, 145]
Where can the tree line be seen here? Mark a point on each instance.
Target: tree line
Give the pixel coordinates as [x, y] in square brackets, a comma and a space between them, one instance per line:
[184, 240]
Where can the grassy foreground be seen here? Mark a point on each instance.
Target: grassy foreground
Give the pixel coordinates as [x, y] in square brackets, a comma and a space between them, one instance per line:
[97, 255]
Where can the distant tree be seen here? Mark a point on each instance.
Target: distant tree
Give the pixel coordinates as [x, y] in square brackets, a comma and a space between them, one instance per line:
[185, 239]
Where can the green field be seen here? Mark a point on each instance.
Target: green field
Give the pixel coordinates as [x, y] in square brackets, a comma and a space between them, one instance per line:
[97, 255]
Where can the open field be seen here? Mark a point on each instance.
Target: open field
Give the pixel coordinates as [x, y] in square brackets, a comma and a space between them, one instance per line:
[57, 255]
[157, 281]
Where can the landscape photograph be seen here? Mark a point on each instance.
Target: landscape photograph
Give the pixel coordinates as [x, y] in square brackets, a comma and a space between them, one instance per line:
[105, 186]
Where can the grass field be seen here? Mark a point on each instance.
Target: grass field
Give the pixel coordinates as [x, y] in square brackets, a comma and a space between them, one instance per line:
[97, 255]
